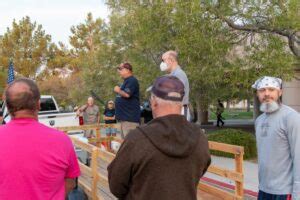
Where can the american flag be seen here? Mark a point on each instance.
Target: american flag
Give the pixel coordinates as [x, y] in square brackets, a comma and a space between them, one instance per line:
[11, 75]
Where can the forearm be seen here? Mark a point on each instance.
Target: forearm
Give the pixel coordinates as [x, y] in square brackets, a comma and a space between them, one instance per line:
[123, 94]
[109, 118]
[69, 185]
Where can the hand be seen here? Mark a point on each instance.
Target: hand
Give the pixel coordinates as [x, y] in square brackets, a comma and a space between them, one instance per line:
[78, 112]
[117, 89]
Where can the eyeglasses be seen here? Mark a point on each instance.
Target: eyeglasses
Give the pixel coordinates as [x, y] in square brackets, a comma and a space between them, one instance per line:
[120, 68]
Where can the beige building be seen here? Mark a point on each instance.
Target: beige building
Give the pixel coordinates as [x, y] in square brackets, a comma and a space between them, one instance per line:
[291, 92]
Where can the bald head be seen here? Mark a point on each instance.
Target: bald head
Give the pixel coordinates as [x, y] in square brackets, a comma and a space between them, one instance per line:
[22, 95]
[173, 55]
[90, 101]
[169, 61]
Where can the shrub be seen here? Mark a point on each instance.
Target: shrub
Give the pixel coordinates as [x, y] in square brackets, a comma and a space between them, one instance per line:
[235, 137]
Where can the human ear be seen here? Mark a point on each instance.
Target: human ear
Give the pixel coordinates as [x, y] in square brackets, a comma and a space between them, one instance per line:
[280, 93]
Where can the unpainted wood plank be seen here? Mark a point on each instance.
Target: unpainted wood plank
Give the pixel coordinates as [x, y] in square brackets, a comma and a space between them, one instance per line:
[94, 166]
[239, 184]
[226, 147]
[85, 169]
[230, 174]
[105, 155]
[216, 191]
[82, 145]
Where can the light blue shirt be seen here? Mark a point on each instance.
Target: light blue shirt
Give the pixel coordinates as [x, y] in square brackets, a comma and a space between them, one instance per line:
[278, 145]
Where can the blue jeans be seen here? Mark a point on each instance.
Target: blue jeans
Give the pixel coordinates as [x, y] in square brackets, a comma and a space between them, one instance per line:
[266, 196]
[110, 131]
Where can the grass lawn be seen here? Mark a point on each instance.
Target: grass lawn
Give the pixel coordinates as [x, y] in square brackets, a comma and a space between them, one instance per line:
[233, 114]
[235, 137]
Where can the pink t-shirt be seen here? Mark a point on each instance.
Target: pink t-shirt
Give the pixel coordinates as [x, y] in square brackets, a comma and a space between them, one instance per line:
[34, 161]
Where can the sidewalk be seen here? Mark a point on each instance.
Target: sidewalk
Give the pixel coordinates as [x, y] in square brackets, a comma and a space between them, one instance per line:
[250, 173]
[235, 122]
[243, 124]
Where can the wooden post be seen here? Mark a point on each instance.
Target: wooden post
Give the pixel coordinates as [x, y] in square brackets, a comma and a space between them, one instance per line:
[98, 133]
[236, 175]
[239, 185]
[94, 166]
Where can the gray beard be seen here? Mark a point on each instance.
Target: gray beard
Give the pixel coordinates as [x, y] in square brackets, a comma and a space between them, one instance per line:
[269, 107]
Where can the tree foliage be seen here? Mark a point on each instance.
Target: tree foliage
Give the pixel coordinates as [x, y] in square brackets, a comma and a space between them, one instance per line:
[94, 57]
[204, 41]
[68, 90]
[27, 44]
[224, 46]
[280, 18]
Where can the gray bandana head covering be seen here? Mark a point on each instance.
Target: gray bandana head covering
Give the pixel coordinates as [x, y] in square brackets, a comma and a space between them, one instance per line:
[267, 81]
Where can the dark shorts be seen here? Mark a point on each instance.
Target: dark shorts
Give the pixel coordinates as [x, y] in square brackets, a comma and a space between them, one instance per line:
[266, 196]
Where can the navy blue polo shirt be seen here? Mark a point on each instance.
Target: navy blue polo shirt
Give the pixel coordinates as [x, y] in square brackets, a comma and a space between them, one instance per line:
[128, 109]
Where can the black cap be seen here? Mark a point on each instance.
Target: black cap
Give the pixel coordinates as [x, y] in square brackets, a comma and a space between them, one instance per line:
[168, 88]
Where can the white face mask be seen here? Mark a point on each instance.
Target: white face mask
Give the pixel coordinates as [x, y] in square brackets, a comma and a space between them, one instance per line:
[269, 107]
[163, 66]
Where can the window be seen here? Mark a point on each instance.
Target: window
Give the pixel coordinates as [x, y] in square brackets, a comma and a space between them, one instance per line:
[47, 105]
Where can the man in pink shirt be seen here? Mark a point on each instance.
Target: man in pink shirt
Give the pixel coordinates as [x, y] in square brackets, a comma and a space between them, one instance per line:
[36, 162]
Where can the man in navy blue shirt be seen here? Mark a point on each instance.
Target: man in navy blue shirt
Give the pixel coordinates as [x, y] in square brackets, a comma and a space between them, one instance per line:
[127, 100]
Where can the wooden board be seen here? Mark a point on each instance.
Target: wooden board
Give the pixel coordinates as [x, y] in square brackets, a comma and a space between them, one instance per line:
[230, 174]
[95, 184]
[226, 147]
[86, 147]
[216, 192]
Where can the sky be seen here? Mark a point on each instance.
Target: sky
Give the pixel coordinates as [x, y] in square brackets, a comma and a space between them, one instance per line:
[56, 16]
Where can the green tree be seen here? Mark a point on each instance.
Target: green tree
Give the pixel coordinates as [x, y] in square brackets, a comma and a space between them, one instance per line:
[279, 18]
[3, 79]
[86, 40]
[147, 30]
[63, 89]
[92, 54]
[27, 44]
[143, 30]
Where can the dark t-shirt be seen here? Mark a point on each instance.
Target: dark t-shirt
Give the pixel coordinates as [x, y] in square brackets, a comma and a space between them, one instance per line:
[109, 113]
[128, 109]
[146, 112]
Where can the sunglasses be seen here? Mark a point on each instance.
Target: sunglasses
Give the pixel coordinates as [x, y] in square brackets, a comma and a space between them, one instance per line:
[120, 68]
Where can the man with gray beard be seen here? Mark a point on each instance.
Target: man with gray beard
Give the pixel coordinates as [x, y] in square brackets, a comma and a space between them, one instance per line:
[278, 143]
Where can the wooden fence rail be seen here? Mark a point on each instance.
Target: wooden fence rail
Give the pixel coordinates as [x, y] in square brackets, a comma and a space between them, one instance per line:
[94, 181]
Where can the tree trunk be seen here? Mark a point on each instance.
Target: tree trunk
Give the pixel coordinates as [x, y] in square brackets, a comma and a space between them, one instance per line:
[256, 104]
[227, 104]
[202, 114]
[248, 105]
[195, 114]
